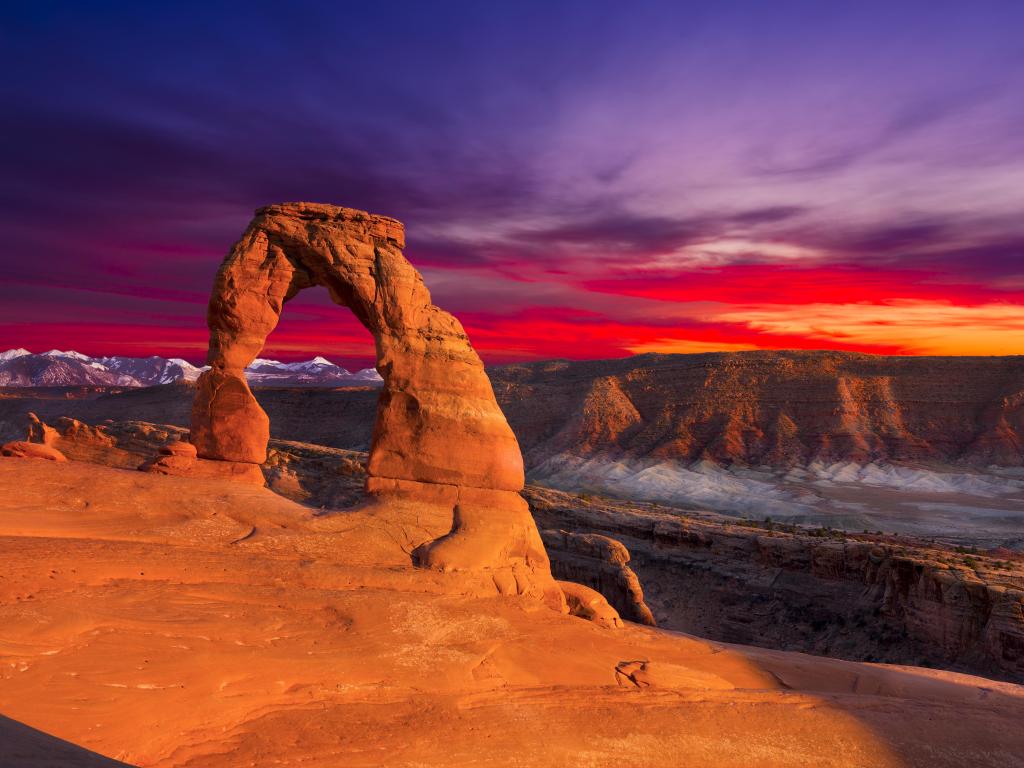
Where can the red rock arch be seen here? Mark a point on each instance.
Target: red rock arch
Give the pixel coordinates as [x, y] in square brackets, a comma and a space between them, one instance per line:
[439, 432]
[437, 419]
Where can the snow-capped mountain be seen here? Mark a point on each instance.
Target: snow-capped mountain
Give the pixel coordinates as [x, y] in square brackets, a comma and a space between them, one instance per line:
[71, 354]
[315, 365]
[318, 372]
[21, 368]
[153, 370]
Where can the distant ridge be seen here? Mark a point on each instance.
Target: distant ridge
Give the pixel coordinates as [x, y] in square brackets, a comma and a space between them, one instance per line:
[56, 368]
[776, 408]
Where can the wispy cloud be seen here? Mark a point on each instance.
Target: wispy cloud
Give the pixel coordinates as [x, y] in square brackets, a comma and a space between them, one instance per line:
[600, 180]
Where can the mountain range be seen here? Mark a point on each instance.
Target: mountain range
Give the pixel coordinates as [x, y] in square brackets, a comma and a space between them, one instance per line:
[21, 368]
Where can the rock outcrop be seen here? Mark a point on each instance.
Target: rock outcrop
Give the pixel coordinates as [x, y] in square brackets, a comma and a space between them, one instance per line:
[601, 563]
[178, 457]
[123, 444]
[589, 604]
[437, 420]
[21, 449]
[439, 436]
[312, 474]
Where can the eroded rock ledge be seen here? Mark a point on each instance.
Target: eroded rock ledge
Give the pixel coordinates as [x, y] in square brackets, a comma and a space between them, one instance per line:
[601, 563]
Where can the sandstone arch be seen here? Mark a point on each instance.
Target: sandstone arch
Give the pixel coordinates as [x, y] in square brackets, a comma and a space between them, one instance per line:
[439, 433]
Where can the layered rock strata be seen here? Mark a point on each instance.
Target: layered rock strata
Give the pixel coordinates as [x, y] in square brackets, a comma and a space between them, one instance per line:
[786, 408]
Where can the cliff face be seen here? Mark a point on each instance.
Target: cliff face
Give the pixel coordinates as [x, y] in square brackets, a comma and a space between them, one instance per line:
[857, 597]
[774, 408]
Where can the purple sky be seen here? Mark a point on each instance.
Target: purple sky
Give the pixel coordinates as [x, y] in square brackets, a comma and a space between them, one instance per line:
[577, 179]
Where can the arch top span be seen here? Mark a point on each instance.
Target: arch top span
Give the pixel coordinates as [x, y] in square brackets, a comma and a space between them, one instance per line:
[360, 225]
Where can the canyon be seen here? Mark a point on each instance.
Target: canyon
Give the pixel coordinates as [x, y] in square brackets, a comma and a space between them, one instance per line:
[917, 446]
[778, 409]
[905, 477]
[785, 408]
[855, 596]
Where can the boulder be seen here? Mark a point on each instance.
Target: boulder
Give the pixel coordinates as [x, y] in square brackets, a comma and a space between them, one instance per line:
[589, 604]
[22, 449]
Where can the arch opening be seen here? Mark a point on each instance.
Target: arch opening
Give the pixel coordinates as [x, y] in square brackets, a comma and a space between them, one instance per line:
[312, 326]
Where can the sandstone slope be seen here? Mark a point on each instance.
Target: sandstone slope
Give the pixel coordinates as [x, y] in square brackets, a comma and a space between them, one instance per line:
[168, 621]
[824, 591]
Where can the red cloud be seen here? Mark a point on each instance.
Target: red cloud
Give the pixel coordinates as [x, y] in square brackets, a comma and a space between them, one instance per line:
[786, 284]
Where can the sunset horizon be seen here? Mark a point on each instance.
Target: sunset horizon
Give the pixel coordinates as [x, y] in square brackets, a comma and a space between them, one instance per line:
[670, 180]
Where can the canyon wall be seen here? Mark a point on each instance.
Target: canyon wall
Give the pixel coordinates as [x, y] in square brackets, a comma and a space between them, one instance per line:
[769, 408]
[823, 592]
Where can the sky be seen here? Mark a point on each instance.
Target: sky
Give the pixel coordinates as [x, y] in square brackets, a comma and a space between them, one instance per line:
[577, 179]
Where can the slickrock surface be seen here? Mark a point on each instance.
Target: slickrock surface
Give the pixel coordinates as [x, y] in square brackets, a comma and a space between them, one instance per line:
[858, 597]
[439, 435]
[824, 592]
[170, 621]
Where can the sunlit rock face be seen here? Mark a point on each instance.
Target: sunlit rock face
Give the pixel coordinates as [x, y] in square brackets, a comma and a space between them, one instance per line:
[437, 420]
[439, 435]
[768, 408]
